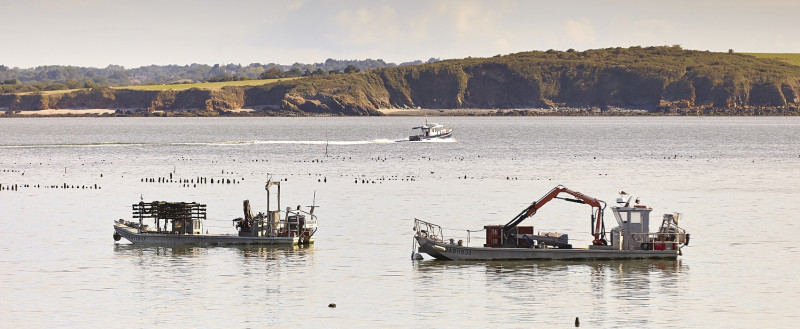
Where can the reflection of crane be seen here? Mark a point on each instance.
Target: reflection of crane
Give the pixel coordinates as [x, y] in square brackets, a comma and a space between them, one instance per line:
[598, 207]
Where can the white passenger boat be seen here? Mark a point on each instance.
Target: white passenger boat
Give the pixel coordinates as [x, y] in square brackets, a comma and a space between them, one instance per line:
[181, 223]
[631, 239]
[431, 131]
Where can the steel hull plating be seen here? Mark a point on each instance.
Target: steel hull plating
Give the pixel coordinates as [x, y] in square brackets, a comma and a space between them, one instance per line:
[131, 235]
[444, 251]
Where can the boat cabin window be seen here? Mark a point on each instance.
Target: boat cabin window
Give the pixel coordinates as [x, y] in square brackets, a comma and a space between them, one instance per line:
[635, 217]
[619, 220]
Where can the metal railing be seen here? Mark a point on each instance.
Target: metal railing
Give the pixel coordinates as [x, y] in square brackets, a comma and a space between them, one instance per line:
[647, 239]
[428, 230]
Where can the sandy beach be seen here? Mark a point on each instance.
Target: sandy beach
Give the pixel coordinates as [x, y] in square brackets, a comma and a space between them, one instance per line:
[90, 112]
[66, 112]
[435, 112]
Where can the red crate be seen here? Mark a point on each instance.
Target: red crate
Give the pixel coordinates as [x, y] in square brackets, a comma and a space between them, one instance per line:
[494, 236]
[521, 242]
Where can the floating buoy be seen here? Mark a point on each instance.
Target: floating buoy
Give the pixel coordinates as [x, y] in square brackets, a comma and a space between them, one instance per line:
[577, 322]
[416, 256]
[117, 236]
[332, 305]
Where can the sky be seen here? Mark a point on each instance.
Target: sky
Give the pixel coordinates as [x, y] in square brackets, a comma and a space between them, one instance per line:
[98, 33]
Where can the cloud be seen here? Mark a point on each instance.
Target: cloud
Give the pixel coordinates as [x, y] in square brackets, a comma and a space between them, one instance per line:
[366, 26]
[581, 31]
[472, 20]
[68, 4]
[502, 45]
[294, 5]
[653, 29]
[99, 32]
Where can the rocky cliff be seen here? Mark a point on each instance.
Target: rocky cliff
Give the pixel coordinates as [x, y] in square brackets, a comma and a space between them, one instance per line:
[654, 79]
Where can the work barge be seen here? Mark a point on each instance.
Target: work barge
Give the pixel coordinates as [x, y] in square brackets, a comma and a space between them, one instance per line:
[182, 223]
[631, 239]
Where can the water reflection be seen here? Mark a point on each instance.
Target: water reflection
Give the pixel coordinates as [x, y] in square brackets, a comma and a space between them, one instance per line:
[243, 252]
[534, 290]
[619, 268]
[164, 251]
[627, 280]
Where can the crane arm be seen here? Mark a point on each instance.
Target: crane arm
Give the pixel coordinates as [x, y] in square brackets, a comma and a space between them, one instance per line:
[598, 206]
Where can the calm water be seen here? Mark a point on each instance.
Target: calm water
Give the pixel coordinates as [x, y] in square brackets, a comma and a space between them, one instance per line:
[736, 180]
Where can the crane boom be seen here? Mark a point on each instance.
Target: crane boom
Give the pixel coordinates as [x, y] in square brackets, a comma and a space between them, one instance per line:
[598, 207]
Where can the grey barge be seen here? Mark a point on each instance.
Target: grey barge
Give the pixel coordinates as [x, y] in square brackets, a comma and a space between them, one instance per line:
[631, 239]
[181, 223]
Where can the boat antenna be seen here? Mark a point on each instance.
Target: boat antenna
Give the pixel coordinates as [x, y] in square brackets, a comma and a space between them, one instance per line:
[313, 203]
[266, 188]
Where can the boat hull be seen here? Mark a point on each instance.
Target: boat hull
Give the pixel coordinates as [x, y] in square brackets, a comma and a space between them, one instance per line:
[134, 237]
[417, 138]
[444, 251]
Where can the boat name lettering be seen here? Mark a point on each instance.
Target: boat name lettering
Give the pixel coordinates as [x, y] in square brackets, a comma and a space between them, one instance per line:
[133, 238]
[459, 251]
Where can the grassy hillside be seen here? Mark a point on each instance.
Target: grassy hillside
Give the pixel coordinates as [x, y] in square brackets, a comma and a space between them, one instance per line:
[655, 79]
[668, 80]
[204, 85]
[176, 86]
[789, 58]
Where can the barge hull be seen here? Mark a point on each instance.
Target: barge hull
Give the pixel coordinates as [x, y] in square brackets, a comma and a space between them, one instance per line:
[134, 237]
[444, 251]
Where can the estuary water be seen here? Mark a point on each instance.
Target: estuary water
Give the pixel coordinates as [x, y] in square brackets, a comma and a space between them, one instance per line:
[736, 182]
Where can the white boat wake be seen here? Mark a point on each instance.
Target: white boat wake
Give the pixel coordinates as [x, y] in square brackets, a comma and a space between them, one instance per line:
[229, 143]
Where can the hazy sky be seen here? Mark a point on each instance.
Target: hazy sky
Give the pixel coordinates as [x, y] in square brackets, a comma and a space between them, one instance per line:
[143, 32]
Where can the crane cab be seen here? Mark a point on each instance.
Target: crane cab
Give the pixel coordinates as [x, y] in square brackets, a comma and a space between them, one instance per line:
[633, 226]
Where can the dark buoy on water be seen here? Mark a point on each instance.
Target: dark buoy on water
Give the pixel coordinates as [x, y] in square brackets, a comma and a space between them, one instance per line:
[577, 322]
[117, 236]
[332, 305]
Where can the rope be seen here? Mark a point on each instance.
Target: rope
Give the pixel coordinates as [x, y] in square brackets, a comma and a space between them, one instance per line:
[461, 229]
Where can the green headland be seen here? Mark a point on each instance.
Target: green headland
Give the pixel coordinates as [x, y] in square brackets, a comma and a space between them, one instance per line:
[611, 81]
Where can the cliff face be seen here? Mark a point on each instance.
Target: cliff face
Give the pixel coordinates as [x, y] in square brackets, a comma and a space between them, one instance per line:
[657, 79]
[493, 85]
[597, 83]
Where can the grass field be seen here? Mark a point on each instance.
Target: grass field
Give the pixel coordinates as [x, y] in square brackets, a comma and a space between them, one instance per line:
[204, 85]
[51, 92]
[790, 58]
[178, 86]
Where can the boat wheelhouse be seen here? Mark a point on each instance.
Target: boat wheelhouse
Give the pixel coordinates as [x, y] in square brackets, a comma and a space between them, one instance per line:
[431, 131]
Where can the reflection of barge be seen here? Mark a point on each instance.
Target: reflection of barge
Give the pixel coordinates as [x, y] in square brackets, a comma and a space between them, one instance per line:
[181, 223]
[630, 240]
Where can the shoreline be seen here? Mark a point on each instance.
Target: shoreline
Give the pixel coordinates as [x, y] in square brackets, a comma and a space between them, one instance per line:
[435, 112]
[76, 112]
[397, 112]
[125, 112]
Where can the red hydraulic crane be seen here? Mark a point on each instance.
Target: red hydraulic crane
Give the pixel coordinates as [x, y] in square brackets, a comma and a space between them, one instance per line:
[598, 207]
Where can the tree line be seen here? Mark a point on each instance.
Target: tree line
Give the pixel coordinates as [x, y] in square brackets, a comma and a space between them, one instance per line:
[59, 77]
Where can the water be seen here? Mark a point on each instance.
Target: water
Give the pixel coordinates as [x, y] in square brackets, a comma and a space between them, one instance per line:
[734, 179]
